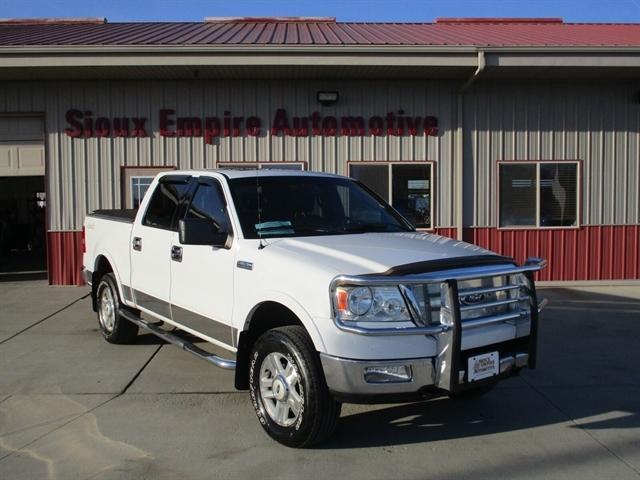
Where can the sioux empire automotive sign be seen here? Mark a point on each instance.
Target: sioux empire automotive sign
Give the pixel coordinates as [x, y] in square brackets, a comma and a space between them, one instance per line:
[85, 124]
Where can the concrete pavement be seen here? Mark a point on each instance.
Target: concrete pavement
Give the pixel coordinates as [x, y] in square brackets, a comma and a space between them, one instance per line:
[73, 406]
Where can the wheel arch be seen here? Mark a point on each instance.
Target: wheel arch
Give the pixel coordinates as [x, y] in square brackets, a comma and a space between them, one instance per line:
[102, 265]
[266, 315]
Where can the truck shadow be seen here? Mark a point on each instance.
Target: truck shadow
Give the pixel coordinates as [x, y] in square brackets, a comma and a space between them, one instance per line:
[588, 377]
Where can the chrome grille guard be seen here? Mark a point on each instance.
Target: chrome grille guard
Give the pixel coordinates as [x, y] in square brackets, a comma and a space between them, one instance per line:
[448, 368]
[451, 277]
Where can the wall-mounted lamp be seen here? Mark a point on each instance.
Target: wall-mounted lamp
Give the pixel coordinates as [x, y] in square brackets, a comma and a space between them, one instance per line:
[41, 199]
[327, 98]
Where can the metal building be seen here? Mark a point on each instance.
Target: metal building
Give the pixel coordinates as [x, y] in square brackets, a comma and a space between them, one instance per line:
[521, 135]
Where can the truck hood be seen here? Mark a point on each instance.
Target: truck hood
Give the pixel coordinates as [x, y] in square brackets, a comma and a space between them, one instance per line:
[372, 252]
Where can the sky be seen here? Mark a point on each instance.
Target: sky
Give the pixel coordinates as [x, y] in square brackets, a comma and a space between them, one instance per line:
[343, 10]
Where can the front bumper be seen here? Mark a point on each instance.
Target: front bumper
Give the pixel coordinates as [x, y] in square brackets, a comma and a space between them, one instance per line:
[346, 377]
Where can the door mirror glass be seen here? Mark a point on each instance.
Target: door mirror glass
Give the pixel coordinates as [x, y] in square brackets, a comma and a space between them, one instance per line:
[202, 231]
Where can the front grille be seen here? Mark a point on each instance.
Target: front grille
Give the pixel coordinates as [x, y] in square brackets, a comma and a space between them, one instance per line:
[487, 300]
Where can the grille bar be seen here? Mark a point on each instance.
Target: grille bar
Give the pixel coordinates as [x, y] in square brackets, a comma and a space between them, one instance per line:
[483, 290]
[484, 321]
[499, 303]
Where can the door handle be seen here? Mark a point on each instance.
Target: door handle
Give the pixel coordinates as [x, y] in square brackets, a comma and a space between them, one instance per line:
[176, 253]
[137, 244]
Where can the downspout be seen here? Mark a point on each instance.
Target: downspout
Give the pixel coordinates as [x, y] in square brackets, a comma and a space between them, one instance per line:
[459, 159]
[481, 64]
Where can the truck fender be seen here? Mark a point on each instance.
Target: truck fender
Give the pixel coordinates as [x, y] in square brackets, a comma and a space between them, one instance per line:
[116, 274]
[293, 305]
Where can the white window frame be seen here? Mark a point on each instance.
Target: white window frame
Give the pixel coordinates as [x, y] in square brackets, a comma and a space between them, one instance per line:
[537, 225]
[128, 172]
[133, 187]
[389, 198]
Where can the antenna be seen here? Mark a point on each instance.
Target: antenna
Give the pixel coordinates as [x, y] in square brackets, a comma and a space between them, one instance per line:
[258, 192]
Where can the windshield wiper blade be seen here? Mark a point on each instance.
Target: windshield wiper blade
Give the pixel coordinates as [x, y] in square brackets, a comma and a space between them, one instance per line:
[374, 227]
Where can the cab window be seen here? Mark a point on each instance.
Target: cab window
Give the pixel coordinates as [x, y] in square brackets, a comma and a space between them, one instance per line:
[164, 203]
[208, 203]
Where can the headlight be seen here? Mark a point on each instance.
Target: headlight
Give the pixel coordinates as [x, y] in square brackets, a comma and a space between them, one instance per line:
[360, 300]
[371, 304]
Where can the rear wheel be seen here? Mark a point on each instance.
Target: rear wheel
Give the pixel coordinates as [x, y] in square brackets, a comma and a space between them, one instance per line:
[114, 328]
[288, 389]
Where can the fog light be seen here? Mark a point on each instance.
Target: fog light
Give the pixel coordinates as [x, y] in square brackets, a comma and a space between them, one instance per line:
[388, 374]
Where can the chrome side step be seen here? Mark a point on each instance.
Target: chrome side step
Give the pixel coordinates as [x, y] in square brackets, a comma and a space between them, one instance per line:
[179, 342]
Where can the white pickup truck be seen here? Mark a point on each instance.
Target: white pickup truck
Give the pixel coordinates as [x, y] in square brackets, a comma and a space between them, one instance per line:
[321, 292]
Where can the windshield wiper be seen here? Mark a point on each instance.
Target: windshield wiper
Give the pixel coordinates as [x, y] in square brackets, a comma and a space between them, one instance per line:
[375, 227]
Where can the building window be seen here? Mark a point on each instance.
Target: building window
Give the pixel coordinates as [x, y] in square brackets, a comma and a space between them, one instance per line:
[262, 166]
[538, 194]
[135, 183]
[139, 186]
[406, 186]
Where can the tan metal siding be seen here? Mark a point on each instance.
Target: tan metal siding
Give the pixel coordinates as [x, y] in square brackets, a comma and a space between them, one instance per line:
[597, 123]
[21, 145]
[85, 174]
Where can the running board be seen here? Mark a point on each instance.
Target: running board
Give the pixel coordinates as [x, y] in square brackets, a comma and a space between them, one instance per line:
[179, 342]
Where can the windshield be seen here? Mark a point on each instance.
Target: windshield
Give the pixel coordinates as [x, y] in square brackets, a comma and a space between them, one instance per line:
[296, 206]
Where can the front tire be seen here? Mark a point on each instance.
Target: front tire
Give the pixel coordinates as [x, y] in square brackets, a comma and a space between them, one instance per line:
[114, 328]
[288, 389]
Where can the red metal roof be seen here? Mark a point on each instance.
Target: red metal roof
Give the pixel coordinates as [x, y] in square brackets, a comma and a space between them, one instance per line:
[304, 32]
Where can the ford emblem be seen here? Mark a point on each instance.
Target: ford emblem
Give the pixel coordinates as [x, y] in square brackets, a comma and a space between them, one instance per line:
[472, 299]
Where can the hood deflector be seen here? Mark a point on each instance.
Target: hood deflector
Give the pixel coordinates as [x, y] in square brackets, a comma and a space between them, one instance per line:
[445, 264]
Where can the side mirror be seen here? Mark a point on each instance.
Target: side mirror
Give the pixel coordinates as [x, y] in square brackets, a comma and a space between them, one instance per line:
[201, 231]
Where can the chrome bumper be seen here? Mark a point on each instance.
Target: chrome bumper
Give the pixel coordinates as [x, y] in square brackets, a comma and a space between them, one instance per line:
[346, 378]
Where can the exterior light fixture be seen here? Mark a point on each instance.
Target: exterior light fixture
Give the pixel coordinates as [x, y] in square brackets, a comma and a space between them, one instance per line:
[41, 199]
[327, 98]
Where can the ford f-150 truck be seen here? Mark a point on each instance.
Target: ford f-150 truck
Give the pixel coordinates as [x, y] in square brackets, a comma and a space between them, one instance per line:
[320, 291]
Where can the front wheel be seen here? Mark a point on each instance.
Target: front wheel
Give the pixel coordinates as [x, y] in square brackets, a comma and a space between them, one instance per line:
[288, 389]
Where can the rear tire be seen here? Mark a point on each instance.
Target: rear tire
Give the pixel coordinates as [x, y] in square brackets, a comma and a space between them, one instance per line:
[288, 389]
[115, 328]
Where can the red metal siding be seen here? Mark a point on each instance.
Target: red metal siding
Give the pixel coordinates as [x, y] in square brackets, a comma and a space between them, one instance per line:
[64, 258]
[608, 252]
[446, 231]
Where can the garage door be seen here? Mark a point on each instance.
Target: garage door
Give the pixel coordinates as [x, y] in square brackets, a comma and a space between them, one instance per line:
[21, 146]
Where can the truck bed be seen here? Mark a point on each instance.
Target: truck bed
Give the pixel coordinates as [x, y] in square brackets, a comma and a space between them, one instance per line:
[126, 216]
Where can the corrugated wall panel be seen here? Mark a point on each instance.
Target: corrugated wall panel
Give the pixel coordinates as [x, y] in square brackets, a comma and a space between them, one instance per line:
[85, 174]
[64, 258]
[590, 253]
[597, 123]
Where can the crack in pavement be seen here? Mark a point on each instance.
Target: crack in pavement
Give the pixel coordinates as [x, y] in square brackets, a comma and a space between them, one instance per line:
[45, 318]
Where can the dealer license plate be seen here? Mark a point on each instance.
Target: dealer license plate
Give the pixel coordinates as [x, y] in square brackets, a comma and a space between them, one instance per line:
[483, 366]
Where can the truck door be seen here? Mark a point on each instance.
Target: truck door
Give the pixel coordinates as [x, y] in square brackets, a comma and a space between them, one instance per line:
[202, 276]
[150, 246]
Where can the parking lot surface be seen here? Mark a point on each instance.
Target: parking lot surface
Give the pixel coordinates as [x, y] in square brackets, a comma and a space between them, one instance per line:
[74, 407]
